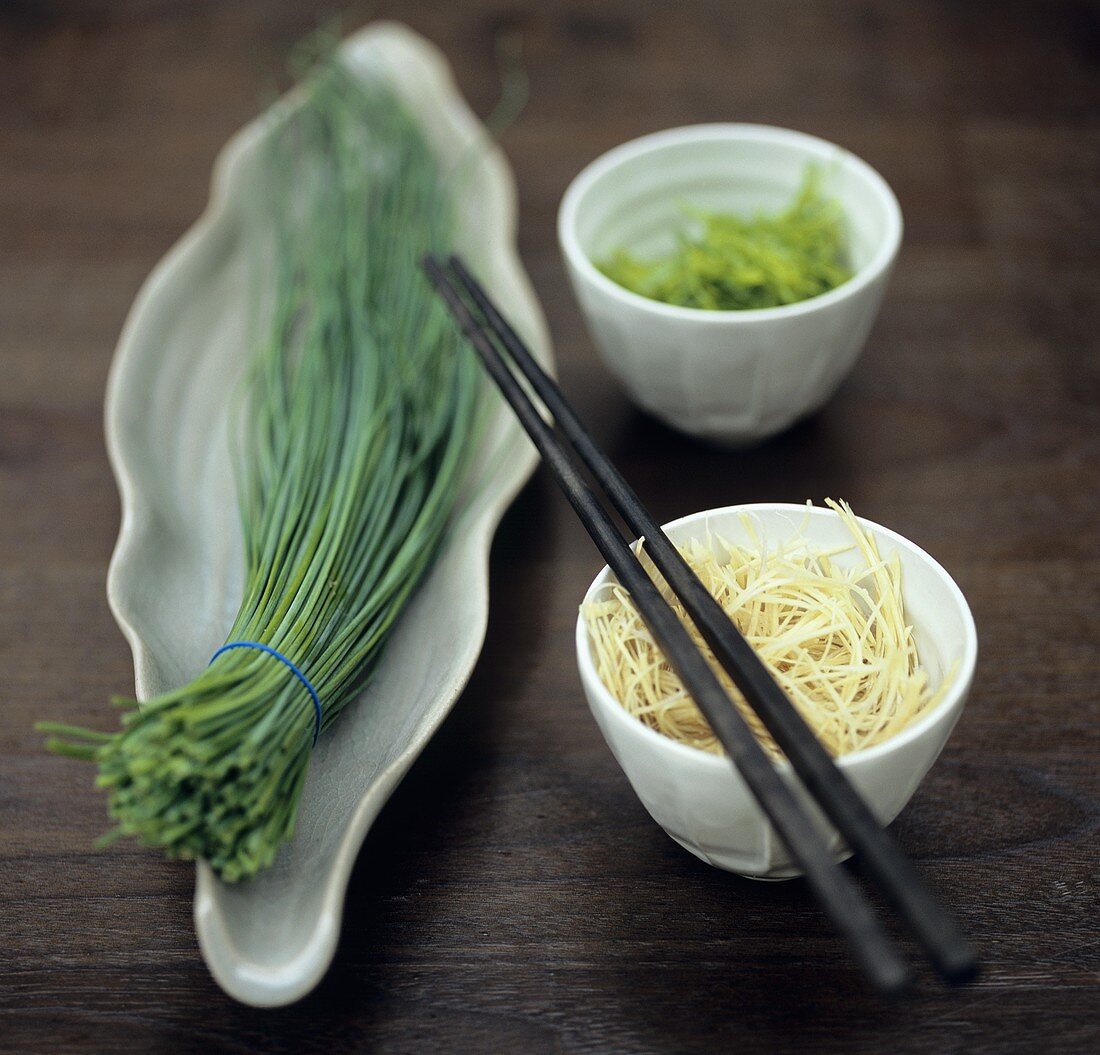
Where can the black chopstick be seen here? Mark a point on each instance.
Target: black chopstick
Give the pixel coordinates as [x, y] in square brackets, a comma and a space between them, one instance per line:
[840, 897]
[879, 854]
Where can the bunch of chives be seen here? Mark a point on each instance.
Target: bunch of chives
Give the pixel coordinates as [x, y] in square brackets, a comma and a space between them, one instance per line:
[359, 421]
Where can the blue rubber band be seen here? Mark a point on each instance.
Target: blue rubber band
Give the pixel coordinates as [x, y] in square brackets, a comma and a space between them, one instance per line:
[317, 712]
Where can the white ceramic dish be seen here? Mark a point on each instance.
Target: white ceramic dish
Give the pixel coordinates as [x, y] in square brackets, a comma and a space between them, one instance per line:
[733, 377]
[176, 575]
[698, 798]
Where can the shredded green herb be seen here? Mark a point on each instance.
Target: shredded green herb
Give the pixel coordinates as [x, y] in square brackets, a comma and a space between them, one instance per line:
[735, 263]
[360, 418]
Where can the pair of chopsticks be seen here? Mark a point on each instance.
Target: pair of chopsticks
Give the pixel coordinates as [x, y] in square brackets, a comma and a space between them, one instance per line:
[494, 339]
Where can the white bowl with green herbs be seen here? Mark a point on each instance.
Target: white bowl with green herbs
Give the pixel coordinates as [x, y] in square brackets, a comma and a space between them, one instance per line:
[713, 362]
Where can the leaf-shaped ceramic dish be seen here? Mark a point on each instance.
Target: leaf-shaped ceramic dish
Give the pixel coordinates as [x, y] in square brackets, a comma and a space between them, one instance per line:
[176, 575]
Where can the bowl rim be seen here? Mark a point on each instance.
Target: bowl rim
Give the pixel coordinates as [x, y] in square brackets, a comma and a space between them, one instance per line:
[583, 182]
[948, 707]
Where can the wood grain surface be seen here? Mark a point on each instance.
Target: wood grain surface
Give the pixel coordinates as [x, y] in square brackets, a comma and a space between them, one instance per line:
[514, 895]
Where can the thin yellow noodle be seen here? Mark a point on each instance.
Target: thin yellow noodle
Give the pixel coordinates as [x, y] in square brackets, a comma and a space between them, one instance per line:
[836, 639]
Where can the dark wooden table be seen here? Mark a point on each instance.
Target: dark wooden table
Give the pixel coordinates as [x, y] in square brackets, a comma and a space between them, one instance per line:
[514, 896]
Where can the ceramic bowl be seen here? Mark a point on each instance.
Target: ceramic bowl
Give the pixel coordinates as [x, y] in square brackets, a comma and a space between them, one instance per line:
[699, 798]
[733, 377]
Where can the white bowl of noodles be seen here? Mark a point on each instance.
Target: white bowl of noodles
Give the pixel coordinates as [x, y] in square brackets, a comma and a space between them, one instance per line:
[696, 795]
